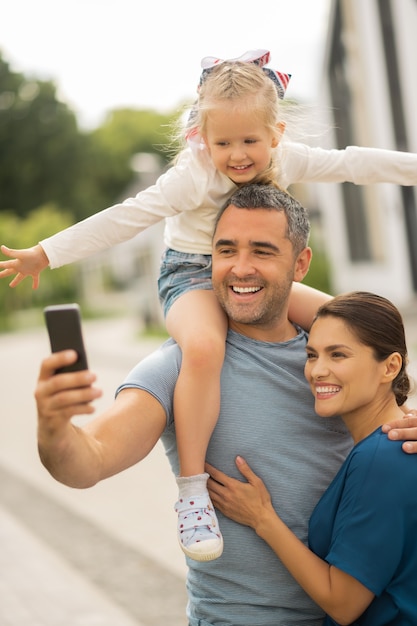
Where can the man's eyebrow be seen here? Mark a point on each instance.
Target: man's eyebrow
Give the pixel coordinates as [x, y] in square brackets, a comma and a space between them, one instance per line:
[253, 244]
[225, 242]
[264, 244]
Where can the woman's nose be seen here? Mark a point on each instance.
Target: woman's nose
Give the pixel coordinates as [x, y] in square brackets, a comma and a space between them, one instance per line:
[319, 368]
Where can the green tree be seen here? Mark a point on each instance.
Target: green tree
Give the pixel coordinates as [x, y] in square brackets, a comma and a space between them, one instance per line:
[56, 286]
[45, 158]
[124, 133]
[40, 146]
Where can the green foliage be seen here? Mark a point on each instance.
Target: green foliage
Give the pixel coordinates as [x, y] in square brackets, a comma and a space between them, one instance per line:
[113, 145]
[45, 158]
[39, 144]
[126, 132]
[319, 273]
[56, 286]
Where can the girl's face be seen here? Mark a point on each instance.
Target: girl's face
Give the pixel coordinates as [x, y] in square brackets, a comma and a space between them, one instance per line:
[343, 373]
[239, 143]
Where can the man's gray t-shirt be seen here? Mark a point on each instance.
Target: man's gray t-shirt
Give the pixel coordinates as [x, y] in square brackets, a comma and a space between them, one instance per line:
[266, 416]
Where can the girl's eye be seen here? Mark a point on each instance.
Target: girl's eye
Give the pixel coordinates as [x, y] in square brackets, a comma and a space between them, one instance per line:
[310, 356]
[250, 140]
[338, 355]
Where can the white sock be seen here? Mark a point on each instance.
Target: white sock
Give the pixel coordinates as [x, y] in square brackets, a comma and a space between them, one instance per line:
[192, 485]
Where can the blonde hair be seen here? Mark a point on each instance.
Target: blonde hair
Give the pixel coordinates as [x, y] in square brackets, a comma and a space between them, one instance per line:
[239, 85]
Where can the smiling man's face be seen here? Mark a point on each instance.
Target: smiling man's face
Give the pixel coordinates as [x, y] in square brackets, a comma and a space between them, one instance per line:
[253, 269]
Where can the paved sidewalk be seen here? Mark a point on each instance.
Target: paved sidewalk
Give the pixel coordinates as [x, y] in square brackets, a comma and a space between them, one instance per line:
[59, 569]
[39, 588]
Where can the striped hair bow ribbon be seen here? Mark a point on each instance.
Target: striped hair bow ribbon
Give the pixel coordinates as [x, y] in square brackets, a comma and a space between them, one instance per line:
[258, 57]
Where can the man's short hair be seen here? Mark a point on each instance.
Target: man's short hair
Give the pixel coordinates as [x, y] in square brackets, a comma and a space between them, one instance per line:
[270, 197]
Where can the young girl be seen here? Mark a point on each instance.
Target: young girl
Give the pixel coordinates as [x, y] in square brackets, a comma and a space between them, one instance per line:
[362, 565]
[234, 136]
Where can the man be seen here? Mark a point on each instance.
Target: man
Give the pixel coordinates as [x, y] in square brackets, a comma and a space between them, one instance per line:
[259, 249]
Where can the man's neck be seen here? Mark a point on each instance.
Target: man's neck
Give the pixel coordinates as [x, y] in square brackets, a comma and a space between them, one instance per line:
[280, 332]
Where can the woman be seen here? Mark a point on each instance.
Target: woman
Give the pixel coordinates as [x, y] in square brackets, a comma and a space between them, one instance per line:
[361, 564]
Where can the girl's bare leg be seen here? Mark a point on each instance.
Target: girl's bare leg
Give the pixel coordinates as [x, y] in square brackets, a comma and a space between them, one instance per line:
[199, 325]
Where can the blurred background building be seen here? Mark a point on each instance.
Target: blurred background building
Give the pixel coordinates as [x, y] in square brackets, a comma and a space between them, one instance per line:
[371, 96]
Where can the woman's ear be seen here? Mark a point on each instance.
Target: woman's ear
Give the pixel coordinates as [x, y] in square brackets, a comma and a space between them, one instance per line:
[393, 365]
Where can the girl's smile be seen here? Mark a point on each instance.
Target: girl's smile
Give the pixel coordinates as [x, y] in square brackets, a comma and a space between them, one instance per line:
[240, 144]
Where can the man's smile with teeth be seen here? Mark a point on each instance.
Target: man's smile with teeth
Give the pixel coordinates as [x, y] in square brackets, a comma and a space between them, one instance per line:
[237, 289]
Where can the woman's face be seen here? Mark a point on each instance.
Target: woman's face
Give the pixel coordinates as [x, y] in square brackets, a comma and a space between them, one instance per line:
[343, 373]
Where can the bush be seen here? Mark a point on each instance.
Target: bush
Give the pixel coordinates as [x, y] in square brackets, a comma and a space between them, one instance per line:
[55, 286]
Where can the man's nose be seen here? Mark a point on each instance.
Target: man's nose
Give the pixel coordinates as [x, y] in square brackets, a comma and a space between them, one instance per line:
[243, 265]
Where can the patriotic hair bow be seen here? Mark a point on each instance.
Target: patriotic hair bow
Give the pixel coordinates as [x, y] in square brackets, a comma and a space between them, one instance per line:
[258, 57]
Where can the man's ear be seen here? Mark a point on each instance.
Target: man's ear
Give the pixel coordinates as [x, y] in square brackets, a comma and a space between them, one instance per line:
[302, 264]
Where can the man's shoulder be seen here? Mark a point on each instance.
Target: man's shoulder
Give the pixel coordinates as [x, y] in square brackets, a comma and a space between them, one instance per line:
[161, 366]
[167, 355]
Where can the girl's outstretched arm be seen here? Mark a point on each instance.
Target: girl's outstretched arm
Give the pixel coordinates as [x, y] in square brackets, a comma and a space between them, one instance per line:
[304, 302]
[23, 263]
[340, 595]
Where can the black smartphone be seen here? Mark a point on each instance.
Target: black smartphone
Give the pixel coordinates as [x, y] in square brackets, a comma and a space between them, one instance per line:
[63, 322]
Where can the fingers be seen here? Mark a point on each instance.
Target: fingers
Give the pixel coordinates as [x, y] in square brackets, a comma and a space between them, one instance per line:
[216, 474]
[8, 251]
[10, 265]
[408, 435]
[23, 263]
[56, 361]
[408, 421]
[404, 429]
[224, 479]
[245, 470]
[16, 280]
[19, 277]
[64, 395]
[8, 268]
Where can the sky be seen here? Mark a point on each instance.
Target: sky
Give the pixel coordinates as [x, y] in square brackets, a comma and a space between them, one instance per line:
[107, 54]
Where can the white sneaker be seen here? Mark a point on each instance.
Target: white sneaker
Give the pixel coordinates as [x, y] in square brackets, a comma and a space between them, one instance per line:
[198, 529]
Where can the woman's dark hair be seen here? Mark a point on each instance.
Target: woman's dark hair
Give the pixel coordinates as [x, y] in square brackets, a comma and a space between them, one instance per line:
[377, 323]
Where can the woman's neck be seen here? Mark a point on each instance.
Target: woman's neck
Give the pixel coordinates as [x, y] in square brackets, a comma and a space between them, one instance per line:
[366, 419]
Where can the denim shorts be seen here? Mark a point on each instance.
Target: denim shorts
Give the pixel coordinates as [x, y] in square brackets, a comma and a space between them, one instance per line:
[181, 272]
